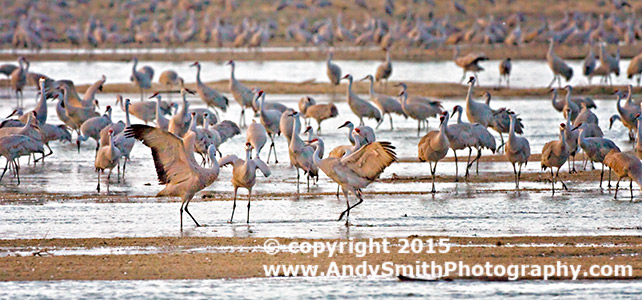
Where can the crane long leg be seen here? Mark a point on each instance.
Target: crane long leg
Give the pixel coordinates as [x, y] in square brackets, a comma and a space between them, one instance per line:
[552, 181]
[617, 186]
[456, 168]
[98, 187]
[234, 204]
[552, 81]
[5, 169]
[124, 167]
[609, 177]
[345, 194]
[470, 151]
[557, 175]
[519, 175]
[338, 186]
[515, 172]
[18, 173]
[418, 127]
[249, 200]
[601, 176]
[391, 126]
[631, 187]
[188, 213]
[432, 172]
[298, 176]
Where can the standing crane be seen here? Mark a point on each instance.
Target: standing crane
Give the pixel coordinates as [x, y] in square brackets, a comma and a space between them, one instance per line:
[518, 150]
[244, 174]
[554, 155]
[361, 107]
[175, 165]
[434, 146]
[557, 65]
[242, 94]
[210, 96]
[385, 103]
[356, 171]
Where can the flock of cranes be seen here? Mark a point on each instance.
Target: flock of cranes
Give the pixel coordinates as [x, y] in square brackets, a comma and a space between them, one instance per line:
[174, 140]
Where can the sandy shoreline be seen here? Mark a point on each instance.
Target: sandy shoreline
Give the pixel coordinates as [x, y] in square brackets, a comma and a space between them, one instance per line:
[585, 251]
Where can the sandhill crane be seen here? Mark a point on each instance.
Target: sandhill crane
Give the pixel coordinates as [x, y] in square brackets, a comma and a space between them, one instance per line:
[385, 103]
[272, 105]
[505, 68]
[554, 155]
[49, 132]
[304, 103]
[365, 131]
[612, 64]
[357, 170]
[244, 174]
[175, 165]
[320, 112]
[460, 137]
[635, 68]
[333, 70]
[92, 127]
[586, 116]
[108, 157]
[89, 98]
[360, 107]
[518, 150]
[301, 155]
[145, 111]
[417, 111]
[161, 121]
[471, 135]
[384, 70]
[226, 130]
[122, 143]
[7, 69]
[16, 145]
[179, 123]
[588, 66]
[169, 79]
[18, 79]
[557, 65]
[625, 165]
[595, 148]
[638, 138]
[256, 135]
[77, 115]
[271, 121]
[286, 123]
[627, 112]
[320, 145]
[482, 114]
[141, 78]
[210, 96]
[41, 107]
[567, 105]
[434, 105]
[242, 94]
[469, 62]
[572, 137]
[434, 146]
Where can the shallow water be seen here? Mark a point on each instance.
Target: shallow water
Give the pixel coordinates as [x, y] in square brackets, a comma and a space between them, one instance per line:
[526, 73]
[459, 209]
[317, 288]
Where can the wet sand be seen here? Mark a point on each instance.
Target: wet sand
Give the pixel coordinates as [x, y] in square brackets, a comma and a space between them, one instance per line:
[437, 90]
[585, 251]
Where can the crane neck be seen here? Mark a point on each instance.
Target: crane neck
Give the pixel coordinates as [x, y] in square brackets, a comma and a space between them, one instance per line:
[511, 131]
[232, 77]
[127, 114]
[554, 98]
[350, 135]
[469, 95]
[212, 154]
[192, 123]
[349, 86]
[134, 66]
[444, 126]
[316, 158]
[563, 135]
[295, 132]
[310, 134]
[29, 120]
[371, 90]
[248, 156]
[158, 108]
[459, 111]
[198, 74]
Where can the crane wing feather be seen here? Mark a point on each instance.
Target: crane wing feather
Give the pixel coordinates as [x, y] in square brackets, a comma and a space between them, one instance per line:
[370, 161]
